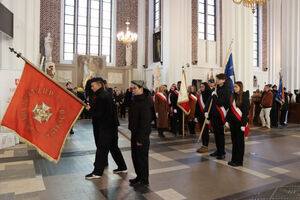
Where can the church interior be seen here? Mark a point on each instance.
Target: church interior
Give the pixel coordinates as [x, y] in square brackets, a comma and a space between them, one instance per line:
[159, 42]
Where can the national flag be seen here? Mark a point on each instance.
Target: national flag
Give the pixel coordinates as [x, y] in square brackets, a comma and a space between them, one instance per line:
[42, 113]
[229, 72]
[183, 101]
[280, 94]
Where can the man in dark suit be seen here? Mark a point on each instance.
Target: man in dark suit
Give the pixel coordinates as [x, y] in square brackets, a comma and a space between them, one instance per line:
[105, 127]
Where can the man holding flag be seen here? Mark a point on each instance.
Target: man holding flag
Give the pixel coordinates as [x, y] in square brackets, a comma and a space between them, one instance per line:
[280, 98]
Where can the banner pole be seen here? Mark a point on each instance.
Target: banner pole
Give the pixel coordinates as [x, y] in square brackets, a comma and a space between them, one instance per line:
[183, 124]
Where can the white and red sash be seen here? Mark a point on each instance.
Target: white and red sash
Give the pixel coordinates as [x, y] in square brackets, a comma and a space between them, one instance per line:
[169, 101]
[201, 103]
[238, 113]
[162, 96]
[222, 112]
[175, 92]
[193, 97]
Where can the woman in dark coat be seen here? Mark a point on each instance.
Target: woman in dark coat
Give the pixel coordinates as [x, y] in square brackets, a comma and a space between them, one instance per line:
[237, 117]
[199, 114]
[161, 106]
[140, 117]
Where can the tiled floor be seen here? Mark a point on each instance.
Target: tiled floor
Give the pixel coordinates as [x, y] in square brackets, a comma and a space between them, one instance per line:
[176, 172]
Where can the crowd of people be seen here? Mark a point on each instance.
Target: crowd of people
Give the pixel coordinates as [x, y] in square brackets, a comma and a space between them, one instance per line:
[213, 106]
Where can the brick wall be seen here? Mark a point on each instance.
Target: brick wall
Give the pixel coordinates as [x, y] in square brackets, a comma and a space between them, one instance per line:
[126, 10]
[194, 30]
[264, 37]
[50, 22]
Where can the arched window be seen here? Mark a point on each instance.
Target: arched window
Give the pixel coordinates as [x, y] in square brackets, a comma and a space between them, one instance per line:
[207, 20]
[87, 28]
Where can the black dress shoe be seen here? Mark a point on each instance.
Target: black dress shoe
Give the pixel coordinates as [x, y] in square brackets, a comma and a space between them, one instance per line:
[214, 154]
[233, 164]
[133, 181]
[139, 184]
[220, 157]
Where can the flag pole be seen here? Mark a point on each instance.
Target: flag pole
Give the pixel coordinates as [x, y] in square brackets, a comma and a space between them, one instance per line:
[211, 100]
[19, 55]
[126, 136]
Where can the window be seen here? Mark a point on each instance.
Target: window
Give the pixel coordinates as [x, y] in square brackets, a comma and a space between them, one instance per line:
[207, 19]
[256, 38]
[157, 15]
[87, 28]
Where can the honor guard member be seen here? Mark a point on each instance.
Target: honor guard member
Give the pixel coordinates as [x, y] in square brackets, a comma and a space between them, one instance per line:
[161, 106]
[177, 112]
[191, 117]
[140, 119]
[105, 127]
[237, 117]
[274, 109]
[284, 109]
[199, 114]
[220, 103]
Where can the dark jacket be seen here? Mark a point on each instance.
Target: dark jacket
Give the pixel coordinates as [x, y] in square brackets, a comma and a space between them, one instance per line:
[88, 90]
[103, 110]
[205, 96]
[244, 107]
[222, 99]
[174, 99]
[285, 105]
[297, 96]
[140, 117]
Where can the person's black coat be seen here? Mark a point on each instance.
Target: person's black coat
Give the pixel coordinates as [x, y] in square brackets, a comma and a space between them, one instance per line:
[103, 110]
[297, 96]
[244, 107]
[88, 90]
[275, 104]
[285, 105]
[128, 98]
[206, 96]
[174, 99]
[81, 96]
[140, 117]
[221, 99]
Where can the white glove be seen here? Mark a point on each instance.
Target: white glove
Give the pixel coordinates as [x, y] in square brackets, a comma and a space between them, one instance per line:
[214, 93]
[156, 115]
[175, 111]
[243, 128]
[196, 120]
[206, 115]
[227, 124]
[207, 122]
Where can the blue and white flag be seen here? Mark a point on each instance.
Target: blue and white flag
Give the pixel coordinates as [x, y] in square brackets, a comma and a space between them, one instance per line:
[280, 94]
[229, 72]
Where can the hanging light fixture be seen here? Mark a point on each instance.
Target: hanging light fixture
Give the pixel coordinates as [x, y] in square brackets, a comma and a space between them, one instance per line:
[128, 37]
[250, 3]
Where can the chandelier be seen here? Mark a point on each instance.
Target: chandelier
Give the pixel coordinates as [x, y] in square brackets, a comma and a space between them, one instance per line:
[128, 37]
[251, 3]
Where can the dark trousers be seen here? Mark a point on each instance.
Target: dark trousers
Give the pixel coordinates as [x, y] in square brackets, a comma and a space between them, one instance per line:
[140, 159]
[123, 111]
[192, 125]
[274, 117]
[238, 143]
[107, 142]
[205, 134]
[219, 135]
[177, 122]
[282, 117]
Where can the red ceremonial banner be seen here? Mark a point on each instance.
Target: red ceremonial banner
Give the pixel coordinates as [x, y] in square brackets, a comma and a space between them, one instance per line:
[41, 113]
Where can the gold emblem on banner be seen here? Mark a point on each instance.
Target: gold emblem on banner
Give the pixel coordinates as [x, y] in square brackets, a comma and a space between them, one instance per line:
[42, 112]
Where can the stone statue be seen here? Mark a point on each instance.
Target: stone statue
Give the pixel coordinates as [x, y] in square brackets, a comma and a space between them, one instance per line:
[128, 55]
[48, 47]
[157, 76]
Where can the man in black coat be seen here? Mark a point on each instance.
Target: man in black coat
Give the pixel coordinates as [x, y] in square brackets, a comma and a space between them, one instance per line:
[105, 127]
[220, 103]
[297, 93]
[140, 117]
[275, 108]
[284, 108]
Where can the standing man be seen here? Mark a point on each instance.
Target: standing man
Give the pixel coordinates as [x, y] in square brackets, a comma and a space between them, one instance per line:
[217, 115]
[266, 105]
[140, 117]
[105, 127]
[284, 109]
[275, 108]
